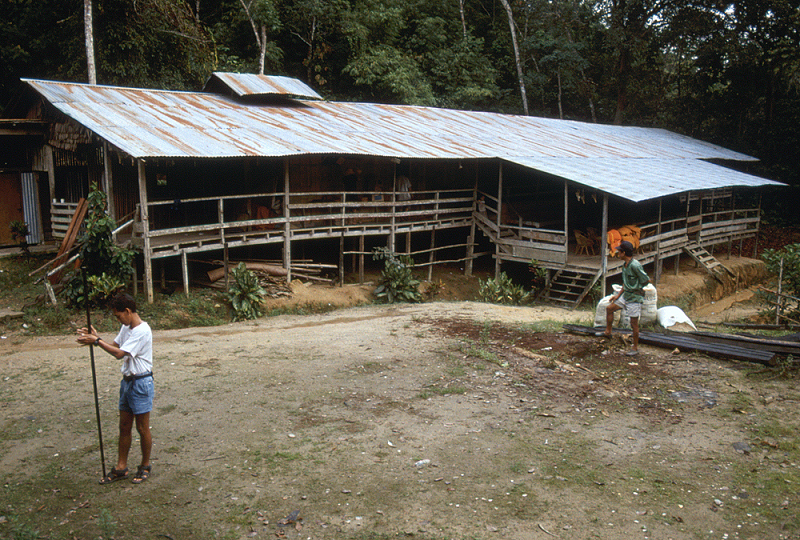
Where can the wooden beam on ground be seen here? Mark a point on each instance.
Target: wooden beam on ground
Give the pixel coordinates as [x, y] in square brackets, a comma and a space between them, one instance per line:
[688, 343]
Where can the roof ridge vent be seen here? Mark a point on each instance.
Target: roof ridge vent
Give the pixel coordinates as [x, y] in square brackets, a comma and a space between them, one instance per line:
[245, 85]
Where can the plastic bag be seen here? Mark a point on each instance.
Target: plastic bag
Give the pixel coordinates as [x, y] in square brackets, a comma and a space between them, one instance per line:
[674, 318]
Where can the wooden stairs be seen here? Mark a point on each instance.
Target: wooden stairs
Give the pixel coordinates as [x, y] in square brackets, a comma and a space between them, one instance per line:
[707, 260]
[569, 286]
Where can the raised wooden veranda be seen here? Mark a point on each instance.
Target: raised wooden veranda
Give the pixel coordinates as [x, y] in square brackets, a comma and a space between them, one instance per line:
[212, 224]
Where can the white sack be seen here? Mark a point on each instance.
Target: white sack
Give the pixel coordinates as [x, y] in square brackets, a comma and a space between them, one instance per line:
[674, 317]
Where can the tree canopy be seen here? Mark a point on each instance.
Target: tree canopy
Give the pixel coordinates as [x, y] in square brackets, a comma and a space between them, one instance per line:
[726, 72]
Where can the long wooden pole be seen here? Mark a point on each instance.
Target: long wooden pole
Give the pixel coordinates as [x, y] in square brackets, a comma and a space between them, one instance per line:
[604, 245]
[566, 221]
[287, 226]
[94, 370]
[499, 221]
[144, 215]
[471, 237]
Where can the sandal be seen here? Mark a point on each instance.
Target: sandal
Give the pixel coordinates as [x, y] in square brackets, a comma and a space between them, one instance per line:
[114, 475]
[142, 473]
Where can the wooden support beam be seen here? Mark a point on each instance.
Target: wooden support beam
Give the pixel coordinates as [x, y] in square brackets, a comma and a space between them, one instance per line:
[108, 182]
[499, 220]
[604, 246]
[185, 268]
[471, 238]
[361, 259]
[432, 255]
[287, 227]
[145, 219]
[657, 261]
[566, 218]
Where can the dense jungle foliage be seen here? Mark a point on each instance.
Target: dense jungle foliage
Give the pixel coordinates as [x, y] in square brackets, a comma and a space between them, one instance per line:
[724, 72]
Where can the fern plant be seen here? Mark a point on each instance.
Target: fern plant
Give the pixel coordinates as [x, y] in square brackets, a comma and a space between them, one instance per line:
[398, 283]
[246, 294]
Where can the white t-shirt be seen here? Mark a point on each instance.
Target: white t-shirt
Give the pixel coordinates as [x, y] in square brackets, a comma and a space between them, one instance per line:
[138, 346]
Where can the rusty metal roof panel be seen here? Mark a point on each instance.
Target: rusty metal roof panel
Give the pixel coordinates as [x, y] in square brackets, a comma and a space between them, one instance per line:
[251, 84]
[641, 179]
[169, 124]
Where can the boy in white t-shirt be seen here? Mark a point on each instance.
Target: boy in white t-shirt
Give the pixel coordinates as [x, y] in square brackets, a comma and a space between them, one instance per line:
[134, 346]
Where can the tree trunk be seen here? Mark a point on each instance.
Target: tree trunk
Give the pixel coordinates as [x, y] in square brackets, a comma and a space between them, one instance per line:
[263, 52]
[560, 109]
[260, 32]
[463, 21]
[513, 28]
[89, 33]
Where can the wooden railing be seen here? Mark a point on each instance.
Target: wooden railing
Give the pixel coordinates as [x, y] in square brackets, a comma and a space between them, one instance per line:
[61, 215]
[523, 240]
[209, 222]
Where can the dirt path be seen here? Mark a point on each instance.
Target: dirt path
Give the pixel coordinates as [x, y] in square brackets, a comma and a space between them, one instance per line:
[441, 420]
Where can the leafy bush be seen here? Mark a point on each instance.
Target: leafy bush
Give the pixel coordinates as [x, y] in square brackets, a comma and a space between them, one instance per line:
[398, 283]
[538, 276]
[791, 266]
[107, 265]
[19, 233]
[502, 291]
[246, 294]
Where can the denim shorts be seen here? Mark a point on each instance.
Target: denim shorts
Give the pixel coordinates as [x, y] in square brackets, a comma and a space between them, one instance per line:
[137, 396]
[632, 309]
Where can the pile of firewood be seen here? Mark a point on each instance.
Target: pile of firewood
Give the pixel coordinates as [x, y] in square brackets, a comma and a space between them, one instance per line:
[272, 276]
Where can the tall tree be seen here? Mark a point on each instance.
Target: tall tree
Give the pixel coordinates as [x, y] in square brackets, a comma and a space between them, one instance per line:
[520, 71]
[263, 16]
[89, 32]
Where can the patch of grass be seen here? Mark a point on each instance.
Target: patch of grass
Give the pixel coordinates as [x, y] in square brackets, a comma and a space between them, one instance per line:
[106, 523]
[477, 351]
[167, 409]
[21, 530]
[200, 308]
[432, 390]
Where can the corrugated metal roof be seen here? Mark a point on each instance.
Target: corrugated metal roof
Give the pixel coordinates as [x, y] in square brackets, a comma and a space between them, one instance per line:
[251, 84]
[640, 179]
[167, 124]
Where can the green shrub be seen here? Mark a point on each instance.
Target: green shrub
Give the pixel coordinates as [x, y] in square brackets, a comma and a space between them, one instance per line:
[538, 276]
[398, 283]
[246, 294]
[791, 266]
[502, 291]
[19, 233]
[107, 265]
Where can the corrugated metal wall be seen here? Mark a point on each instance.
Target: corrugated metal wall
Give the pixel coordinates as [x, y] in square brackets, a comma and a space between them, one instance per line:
[30, 207]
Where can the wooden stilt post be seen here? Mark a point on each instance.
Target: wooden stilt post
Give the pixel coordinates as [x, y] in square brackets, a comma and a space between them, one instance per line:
[185, 267]
[145, 216]
[432, 256]
[287, 226]
[341, 260]
[108, 183]
[733, 217]
[758, 228]
[604, 246]
[657, 265]
[471, 237]
[361, 259]
[225, 263]
[566, 221]
[499, 221]
[392, 229]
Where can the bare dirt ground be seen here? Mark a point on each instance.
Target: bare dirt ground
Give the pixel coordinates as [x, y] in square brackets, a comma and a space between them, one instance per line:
[437, 420]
